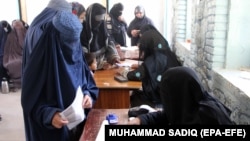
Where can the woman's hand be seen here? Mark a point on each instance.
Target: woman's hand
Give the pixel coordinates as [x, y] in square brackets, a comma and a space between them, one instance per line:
[120, 70]
[58, 121]
[134, 66]
[135, 33]
[134, 121]
[87, 102]
[106, 66]
[116, 60]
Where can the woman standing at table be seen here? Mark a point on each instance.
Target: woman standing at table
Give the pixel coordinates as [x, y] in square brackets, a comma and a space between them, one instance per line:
[134, 27]
[53, 71]
[157, 57]
[95, 38]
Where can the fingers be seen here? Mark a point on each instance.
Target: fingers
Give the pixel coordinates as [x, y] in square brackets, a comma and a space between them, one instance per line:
[87, 102]
[58, 121]
[134, 66]
[134, 121]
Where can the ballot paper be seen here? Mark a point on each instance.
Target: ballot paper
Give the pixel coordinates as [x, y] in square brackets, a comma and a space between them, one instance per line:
[130, 52]
[123, 65]
[75, 112]
[101, 133]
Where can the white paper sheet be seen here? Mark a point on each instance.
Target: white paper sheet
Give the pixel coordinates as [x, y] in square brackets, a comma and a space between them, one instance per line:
[130, 52]
[74, 113]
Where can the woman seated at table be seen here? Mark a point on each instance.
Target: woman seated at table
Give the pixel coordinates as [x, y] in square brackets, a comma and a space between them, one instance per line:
[185, 102]
[156, 57]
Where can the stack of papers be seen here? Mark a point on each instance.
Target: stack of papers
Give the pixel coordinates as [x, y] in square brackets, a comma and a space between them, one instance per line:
[75, 112]
[130, 52]
[129, 48]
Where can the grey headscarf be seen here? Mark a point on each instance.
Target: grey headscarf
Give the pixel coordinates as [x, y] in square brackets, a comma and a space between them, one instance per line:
[139, 8]
[59, 5]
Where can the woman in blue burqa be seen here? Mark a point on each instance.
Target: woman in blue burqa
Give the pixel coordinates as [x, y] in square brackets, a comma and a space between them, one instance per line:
[95, 38]
[36, 27]
[53, 71]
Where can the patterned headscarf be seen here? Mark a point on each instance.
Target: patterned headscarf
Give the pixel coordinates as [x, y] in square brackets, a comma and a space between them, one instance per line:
[94, 18]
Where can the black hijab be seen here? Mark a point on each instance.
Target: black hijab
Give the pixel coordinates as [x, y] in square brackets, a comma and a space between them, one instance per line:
[5, 29]
[146, 27]
[116, 10]
[157, 57]
[186, 102]
[152, 41]
[94, 34]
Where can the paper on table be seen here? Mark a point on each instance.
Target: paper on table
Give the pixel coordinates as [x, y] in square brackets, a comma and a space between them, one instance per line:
[123, 65]
[131, 52]
[101, 132]
[129, 48]
[74, 113]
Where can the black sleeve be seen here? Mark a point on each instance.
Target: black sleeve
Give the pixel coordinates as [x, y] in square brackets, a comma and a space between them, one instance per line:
[154, 118]
[130, 28]
[84, 37]
[137, 74]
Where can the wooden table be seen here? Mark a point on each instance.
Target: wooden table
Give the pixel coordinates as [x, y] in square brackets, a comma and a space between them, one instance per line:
[113, 94]
[95, 119]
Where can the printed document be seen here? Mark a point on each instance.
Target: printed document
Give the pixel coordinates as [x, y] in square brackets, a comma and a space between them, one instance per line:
[75, 112]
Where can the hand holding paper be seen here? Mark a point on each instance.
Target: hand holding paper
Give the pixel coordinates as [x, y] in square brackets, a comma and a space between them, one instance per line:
[74, 113]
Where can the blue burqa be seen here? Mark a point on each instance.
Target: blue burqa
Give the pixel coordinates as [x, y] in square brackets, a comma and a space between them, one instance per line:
[51, 75]
[36, 30]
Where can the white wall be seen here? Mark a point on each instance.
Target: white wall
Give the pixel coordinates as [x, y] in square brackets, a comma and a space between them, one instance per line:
[158, 10]
[154, 10]
[34, 7]
[9, 10]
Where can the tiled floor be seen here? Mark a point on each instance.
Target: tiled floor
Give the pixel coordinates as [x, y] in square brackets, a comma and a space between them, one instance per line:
[11, 125]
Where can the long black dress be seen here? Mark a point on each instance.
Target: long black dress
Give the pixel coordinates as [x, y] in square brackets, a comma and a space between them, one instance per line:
[157, 57]
[186, 102]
